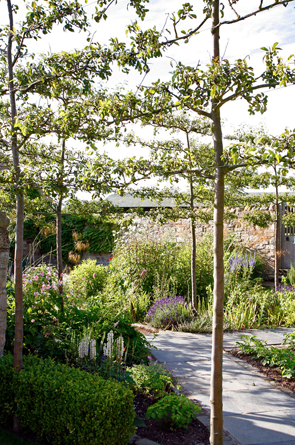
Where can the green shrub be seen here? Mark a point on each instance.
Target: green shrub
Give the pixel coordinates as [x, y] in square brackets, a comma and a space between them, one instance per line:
[161, 267]
[154, 379]
[169, 312]
[173, 411]
[69, 406]
[290, 278]
[7, 404]
[290, 315]
[87, 279]
[51, 333]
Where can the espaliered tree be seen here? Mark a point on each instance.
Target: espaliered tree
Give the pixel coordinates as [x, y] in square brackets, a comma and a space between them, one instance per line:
[204, 91]
[21, 74]
[174, 159]
[277, 155]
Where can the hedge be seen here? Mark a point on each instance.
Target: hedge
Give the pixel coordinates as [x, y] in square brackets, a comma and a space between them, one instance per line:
[68, 406]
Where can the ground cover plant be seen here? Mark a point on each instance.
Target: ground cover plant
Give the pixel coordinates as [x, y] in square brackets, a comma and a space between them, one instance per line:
[173, 411]
[282, 358]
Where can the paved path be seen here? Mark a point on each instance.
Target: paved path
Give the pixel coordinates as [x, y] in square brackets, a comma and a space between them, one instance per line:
[255, 412]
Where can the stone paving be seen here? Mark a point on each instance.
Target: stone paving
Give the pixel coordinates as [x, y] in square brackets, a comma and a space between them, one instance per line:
[255, 412]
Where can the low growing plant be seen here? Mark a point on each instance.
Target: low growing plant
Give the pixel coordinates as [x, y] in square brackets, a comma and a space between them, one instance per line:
[154, 380]
[284, 359]
[173, 411]
[169, 312]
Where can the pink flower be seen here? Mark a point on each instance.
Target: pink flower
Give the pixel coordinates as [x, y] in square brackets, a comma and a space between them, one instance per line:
[36, 294]
[61, 275]
[54, 319]
[59, 282]
[42, 273]
[94, 275]
[116, 324]
[143, 272]
[32, 321]
[149, 358]
[47, 333]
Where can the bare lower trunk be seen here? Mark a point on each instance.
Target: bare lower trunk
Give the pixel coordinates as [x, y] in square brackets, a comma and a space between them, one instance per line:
[18, 341]
[216, 415]
[277, 238]
[4, 257]
[193, 252]
[18, 259]
[59, 252]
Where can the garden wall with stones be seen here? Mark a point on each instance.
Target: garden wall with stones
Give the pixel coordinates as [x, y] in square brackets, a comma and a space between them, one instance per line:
[253, 237]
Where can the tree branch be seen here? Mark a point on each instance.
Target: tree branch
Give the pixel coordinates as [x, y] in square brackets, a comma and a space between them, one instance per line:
[260, 9]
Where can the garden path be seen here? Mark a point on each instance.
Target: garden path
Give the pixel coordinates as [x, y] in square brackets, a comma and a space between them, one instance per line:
[255, 413]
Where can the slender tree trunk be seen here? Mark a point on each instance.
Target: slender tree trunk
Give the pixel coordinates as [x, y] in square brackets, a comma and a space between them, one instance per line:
[18, 340]
[58, 227]
[216, 417]
[277, 240]
[59, 251]
[193, 233]
[4, 257]
[193, 251]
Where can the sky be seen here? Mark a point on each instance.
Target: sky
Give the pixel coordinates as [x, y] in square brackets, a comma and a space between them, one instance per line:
[241, 40]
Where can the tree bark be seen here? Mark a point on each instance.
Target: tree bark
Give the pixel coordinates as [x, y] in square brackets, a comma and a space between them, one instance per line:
[58, 227]
[18, 340]
[59, 251]
[216, 415]
[277, 240]
[193, 250]
[193, 233]
[4, 257]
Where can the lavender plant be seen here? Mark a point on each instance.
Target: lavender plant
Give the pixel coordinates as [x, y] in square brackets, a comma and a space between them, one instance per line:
[169, 312]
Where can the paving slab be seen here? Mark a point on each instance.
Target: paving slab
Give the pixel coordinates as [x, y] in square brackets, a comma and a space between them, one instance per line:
[261, 429]
[255, 413]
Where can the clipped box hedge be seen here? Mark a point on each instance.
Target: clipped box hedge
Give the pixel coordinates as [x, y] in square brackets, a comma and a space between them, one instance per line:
[70, 406]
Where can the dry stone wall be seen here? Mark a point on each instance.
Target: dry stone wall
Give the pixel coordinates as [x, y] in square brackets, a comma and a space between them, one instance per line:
[253, 237]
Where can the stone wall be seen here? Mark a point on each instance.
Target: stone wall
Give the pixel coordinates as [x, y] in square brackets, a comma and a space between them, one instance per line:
[253, 237]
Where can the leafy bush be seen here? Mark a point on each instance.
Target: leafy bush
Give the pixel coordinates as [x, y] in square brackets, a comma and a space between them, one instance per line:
[284, 359]
[290, 316]
[173, 411]
[143, 265]
[87, 279]
[202, 323]
[69, 406]
[154, 379]
[290, 278]
[49, 332]
[168, 312]
[7, 403]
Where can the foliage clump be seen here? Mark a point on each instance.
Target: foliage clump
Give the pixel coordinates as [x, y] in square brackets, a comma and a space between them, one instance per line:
[87, 279]
[66, 405]
[168, 312]
[173, 411]
[152, 380]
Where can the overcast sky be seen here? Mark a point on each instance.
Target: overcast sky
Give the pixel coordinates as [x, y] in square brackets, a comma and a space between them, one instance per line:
[240, 40]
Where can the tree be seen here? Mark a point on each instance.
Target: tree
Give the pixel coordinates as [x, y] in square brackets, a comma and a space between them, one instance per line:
[21, 77]
[276, 154]
[205, 91]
